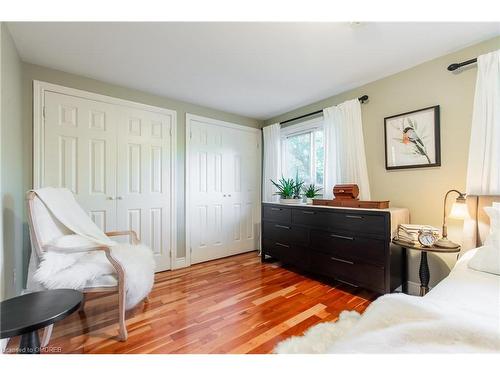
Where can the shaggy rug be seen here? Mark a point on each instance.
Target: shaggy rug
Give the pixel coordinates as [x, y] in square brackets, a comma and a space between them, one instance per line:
[319, 338]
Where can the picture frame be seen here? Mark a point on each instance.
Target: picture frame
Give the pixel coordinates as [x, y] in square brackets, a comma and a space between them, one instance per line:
[412, 139]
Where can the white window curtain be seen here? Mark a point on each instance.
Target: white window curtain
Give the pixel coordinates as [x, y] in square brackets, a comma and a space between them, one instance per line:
[345, 160]
[272, 161]
[483, 171]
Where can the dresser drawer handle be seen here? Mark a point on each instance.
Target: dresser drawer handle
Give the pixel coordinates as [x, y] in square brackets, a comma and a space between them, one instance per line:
[354, 217]
[342, 237]
[348, 283]
[341, 260]
[281, 226]
[281, 244]
[308, 212]
[275, 209]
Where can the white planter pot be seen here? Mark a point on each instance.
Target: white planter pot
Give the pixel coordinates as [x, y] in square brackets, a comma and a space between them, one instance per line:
[309, 200]
[291, 201]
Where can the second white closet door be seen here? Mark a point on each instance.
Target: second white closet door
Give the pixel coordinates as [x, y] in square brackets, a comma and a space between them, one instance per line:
[224, 189]
[143, 179]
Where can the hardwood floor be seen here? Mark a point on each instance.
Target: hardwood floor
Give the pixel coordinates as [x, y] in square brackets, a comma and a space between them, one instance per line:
[231, 305]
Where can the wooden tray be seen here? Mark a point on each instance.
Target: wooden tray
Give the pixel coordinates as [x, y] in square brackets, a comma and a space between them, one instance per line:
[351, 203]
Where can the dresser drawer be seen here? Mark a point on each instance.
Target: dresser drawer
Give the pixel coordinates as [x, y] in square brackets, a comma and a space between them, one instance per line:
[349, 246]
[287, 252]
[280, 214]
[285, 233]
[360, 274]
[352, 222]
[360, 223]
[312, 218]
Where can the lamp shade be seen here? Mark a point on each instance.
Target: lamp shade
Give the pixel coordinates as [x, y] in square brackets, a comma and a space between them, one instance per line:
[459, 211]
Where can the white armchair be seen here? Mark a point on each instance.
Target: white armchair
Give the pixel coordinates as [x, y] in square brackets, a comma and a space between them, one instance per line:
[44, 229]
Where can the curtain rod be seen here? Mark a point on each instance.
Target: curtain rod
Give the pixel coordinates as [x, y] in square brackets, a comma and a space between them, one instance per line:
[362, 99]
[455, 66]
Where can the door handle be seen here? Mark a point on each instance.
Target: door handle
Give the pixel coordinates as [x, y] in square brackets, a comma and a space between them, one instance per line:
[275, 209]
[341, 260]
[110, 198]
[342, 237]
[308, 212]
[119, 198]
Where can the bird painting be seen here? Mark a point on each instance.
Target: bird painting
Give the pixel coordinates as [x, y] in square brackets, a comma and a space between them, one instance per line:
[411, 138]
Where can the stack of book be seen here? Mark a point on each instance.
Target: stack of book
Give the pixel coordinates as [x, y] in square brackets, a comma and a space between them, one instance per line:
[409, 232]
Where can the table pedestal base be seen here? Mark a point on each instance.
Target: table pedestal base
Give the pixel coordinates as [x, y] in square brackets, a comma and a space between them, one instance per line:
[30, 343]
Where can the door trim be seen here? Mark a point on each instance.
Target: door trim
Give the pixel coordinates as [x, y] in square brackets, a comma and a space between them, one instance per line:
[187, 214]
[39, 89]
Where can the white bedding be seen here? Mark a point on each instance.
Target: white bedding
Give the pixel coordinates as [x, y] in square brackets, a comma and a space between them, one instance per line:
[465, 288]
[461, 314]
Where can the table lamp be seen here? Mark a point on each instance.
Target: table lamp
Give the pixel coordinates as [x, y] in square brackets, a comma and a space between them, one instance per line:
[458, 211]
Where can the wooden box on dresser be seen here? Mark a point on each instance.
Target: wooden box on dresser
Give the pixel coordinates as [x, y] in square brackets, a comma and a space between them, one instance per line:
[352, 246]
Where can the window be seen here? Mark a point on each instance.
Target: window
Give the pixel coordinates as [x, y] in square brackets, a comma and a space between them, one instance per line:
[303, 151]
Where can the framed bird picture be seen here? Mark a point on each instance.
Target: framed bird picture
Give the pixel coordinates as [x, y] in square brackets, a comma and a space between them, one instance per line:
[412, 139]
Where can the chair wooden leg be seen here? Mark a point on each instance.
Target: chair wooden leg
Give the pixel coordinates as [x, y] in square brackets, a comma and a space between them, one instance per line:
[47, 332]
[123, 335]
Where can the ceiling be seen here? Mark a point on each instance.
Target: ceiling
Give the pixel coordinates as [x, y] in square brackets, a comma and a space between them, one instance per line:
[257, 70]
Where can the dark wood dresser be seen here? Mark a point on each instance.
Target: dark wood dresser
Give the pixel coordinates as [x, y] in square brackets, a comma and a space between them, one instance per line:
[352, 246]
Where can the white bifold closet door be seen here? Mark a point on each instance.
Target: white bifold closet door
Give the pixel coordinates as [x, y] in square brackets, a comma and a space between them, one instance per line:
[115, 159]
[224, 163]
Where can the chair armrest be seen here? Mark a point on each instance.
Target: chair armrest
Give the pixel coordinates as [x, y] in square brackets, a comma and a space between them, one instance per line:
[130, 233]
[72, 250]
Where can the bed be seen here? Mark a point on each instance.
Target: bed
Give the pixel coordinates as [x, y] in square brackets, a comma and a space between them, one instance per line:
[460, 314]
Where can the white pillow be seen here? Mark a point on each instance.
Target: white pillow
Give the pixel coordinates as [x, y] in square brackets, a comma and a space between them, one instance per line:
[486, 259]
[493, 238]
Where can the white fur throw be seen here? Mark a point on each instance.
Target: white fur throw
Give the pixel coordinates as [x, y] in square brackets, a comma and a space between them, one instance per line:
[80, 270]
[399, 323]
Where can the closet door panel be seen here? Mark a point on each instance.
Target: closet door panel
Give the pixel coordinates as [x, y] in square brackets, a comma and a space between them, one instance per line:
[224, 189]
[143, 179]
[80, 153]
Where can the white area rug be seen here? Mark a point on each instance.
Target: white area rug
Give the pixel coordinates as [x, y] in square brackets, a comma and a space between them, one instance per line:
[319, 339]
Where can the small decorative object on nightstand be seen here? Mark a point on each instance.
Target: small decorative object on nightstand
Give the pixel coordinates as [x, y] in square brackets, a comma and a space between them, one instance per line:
[458, 211]
[424, 267]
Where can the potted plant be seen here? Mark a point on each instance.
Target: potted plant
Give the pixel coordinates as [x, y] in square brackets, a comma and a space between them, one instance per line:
[287, 190]
[311, 191]
[297, 187]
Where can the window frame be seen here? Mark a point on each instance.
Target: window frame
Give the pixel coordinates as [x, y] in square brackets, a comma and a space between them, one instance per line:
[304, 127]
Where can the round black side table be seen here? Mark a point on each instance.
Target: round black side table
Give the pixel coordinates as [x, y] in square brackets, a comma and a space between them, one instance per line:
[25, 314]
[424, 267]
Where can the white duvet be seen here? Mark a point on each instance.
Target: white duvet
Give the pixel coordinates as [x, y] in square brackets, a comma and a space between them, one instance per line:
[461, 314]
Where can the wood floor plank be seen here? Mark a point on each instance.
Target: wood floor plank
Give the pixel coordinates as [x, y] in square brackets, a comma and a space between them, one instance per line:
[230, 305]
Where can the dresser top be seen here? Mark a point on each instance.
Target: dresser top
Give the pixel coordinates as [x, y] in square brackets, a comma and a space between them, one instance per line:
[398, 215]
[304, 205]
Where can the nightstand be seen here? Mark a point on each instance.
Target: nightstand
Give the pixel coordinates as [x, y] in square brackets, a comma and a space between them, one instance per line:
[424, 267]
